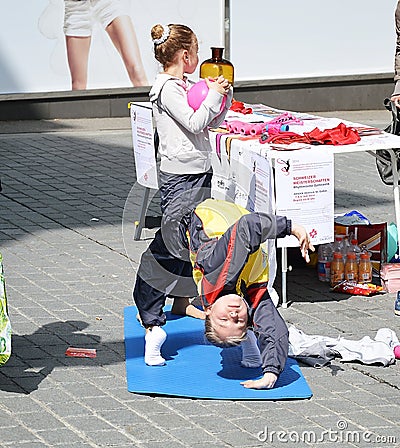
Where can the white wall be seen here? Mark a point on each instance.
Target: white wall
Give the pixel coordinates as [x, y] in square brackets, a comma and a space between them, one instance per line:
[32, 43]
[271, 39]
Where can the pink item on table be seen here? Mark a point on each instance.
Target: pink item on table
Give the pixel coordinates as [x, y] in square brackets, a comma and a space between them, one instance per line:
[286, 118]
[246, 128]
[258, 129]
[233, 125]
[240, 127]
[236, 125]
[275, 128]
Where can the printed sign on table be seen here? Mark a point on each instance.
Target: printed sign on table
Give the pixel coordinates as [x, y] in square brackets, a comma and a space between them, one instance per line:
[143, 145]
[253, 183]
[305, 193]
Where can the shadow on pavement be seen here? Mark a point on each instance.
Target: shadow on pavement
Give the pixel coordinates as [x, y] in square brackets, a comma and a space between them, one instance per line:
[34, 356]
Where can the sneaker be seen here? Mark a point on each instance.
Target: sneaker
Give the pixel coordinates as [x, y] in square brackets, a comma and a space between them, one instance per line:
[397, 304]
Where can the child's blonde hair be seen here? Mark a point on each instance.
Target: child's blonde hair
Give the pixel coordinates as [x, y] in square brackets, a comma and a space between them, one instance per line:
[180, 37]
[213, 337]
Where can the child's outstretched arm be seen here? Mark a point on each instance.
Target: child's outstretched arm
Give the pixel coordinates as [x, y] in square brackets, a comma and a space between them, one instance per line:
[304, 240]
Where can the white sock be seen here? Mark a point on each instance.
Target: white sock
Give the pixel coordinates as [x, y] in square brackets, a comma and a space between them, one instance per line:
[139, 319]
[154, 340]
[250, 352]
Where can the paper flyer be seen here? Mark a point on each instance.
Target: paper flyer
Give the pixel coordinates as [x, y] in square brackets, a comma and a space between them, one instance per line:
[143, 145]
[305, 193]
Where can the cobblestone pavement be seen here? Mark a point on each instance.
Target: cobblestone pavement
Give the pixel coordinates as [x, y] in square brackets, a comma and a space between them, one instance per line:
[69, 278]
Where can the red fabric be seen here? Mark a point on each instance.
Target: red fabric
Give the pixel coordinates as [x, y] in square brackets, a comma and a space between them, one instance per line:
[238, 106]
[209, 291]
[340, 135]
[255, 293]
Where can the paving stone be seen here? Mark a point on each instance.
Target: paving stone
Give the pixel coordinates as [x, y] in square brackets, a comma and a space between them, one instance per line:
[64, 271]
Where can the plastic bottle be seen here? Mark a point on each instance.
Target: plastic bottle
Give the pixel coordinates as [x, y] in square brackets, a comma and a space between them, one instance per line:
[325, 252]
[365, 268]
[345, 247]
[337, 243]
[337, 269]
[354, 247]
[351, 268]
[340, 246]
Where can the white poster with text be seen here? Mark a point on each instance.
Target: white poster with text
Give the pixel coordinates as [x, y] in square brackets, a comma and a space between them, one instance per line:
[305, 193]
[143, 145]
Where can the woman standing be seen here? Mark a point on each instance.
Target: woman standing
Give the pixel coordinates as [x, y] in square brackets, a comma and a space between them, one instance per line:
[79, 17]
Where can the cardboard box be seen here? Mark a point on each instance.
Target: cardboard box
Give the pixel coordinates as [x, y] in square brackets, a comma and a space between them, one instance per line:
[371, 237]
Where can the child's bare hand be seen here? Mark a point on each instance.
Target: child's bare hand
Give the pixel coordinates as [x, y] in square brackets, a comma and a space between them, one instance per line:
[266, 382]
[183, 307]
[220, 84]
[304, 240]
[396, 99]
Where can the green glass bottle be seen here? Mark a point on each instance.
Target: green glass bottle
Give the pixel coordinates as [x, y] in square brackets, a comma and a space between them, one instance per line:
[216, 66]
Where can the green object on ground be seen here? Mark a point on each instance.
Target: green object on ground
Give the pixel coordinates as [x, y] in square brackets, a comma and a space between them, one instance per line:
[5, 324]
[392, 244]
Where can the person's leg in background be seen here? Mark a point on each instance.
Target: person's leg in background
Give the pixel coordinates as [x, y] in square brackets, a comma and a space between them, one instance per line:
[78, 55]
[123, 36]
[78, 31]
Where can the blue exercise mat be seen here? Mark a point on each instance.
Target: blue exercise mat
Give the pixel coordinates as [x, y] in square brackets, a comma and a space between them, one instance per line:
[196, 369]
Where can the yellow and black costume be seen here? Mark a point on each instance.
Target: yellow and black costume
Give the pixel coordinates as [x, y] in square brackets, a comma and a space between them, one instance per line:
[228, 255]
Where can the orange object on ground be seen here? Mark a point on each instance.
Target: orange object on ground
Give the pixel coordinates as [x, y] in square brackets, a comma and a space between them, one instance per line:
[81, 352]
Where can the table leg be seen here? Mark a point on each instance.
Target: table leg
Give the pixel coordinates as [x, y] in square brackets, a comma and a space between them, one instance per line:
[140, 224]
[396, 193]
[284, 277]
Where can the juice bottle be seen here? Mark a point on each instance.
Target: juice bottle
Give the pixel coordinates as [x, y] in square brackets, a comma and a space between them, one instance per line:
[337, 269]
[351, 268]
[365, 268]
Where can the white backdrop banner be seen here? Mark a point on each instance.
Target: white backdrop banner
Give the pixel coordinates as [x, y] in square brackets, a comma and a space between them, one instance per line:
[311, 38]
[33, 56]
[302, 39]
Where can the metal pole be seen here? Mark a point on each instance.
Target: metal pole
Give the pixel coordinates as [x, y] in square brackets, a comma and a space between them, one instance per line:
[227, 30]
[140, 224]
[284, 277]
[396, 194]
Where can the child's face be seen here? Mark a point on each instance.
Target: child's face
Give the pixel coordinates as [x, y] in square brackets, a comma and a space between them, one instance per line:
[228, 316]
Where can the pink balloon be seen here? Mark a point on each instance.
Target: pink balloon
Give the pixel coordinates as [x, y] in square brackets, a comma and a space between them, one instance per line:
[197, 94]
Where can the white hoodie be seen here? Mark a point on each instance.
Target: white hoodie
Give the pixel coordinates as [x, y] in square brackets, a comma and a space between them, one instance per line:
[184, 141]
